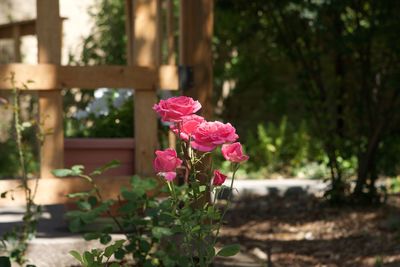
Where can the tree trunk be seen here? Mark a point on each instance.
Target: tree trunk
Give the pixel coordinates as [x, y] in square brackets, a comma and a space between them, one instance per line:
[365, 161]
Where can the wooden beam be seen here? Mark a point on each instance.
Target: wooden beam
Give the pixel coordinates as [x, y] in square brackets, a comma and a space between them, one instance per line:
[36, 77]
[54, 190]
[196, 30]
[54, 77]
[144, 18]
[49, 34]
[26, 27]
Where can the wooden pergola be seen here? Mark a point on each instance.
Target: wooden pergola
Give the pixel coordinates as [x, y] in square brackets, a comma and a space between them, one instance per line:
[145, 73]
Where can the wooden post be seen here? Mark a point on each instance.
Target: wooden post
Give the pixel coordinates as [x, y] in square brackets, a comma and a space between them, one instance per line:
[195, 36]
[170, 33]
[48, 28]
[144, 50]
[17, 43]
[196, 30]
[171, 56]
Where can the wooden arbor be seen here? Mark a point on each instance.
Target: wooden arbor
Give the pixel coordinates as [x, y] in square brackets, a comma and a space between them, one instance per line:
[144, 73]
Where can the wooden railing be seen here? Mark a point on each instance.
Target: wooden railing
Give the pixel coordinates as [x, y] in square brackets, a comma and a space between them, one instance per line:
[144, 73]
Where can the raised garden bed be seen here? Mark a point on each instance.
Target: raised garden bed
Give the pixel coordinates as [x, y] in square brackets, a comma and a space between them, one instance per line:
[95, 152]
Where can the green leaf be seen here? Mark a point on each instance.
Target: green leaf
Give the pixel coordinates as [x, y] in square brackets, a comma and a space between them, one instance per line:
[119, 254]
[197, 228]
[77, 169]
[62, 172]
[92, 201]
[110, 250]
[130, 247]
[129, 195]
[115, 264]
[159, 232]
[88, 258]
[74, 171]
[143, 184]
[91, 236]
[202, 188]
[5, 261]
[79, 194]
[229, 250]
[130, 207]
[107, 166]
[84, 205]
[75, 225]
[105, 239]
[211, 252]
[166, 217]
[144, 246]
[74, 254]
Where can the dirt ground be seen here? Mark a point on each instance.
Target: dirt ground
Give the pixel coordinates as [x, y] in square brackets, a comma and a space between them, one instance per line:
[303, 231]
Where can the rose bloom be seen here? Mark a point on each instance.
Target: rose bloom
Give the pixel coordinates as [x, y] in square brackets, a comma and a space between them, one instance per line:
[188, 125]
[219, 178]
[174, 108]
[166, 161]
[209, 135]
[169, 176]
[234, 152]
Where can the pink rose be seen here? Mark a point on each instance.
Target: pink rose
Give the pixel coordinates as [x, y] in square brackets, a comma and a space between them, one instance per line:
[169, 176]
[188, 126]
[219, 178]
[174, 108]
[166, 161]
[233, 152]
[209, 135]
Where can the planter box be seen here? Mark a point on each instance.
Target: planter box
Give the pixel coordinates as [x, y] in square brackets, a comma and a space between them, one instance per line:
[95, 152]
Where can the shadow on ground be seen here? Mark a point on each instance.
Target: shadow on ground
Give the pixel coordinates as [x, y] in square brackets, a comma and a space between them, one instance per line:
[51, 224]
[301, 230]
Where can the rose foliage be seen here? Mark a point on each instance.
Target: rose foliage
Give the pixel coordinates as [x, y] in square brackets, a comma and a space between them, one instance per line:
[180, 229]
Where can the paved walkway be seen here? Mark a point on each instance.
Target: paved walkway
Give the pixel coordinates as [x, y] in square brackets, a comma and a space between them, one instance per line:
[54, 241]
[278, 186]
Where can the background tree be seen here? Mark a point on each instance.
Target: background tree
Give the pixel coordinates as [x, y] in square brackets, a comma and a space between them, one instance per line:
[344, 55]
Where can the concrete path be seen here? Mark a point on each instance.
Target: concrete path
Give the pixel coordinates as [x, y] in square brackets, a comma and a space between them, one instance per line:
[278, 186]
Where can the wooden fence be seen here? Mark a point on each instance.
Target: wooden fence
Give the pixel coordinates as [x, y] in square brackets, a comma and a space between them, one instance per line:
[144, 73]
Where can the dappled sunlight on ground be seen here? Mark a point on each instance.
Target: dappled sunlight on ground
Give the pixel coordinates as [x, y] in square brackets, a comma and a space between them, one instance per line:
[301, 230]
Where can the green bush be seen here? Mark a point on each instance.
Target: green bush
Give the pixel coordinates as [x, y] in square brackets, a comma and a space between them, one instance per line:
[282, 148]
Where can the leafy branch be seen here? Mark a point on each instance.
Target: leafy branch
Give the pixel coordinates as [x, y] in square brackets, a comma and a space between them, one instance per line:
[16, 241]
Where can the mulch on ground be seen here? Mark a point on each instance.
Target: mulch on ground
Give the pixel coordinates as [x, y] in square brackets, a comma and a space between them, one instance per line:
[302, 230]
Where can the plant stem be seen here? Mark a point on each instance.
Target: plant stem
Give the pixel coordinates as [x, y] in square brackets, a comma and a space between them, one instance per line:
[97, 190]
[235, 168]
[29, 216]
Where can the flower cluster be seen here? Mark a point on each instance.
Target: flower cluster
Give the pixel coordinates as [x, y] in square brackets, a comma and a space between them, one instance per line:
[197, 134]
